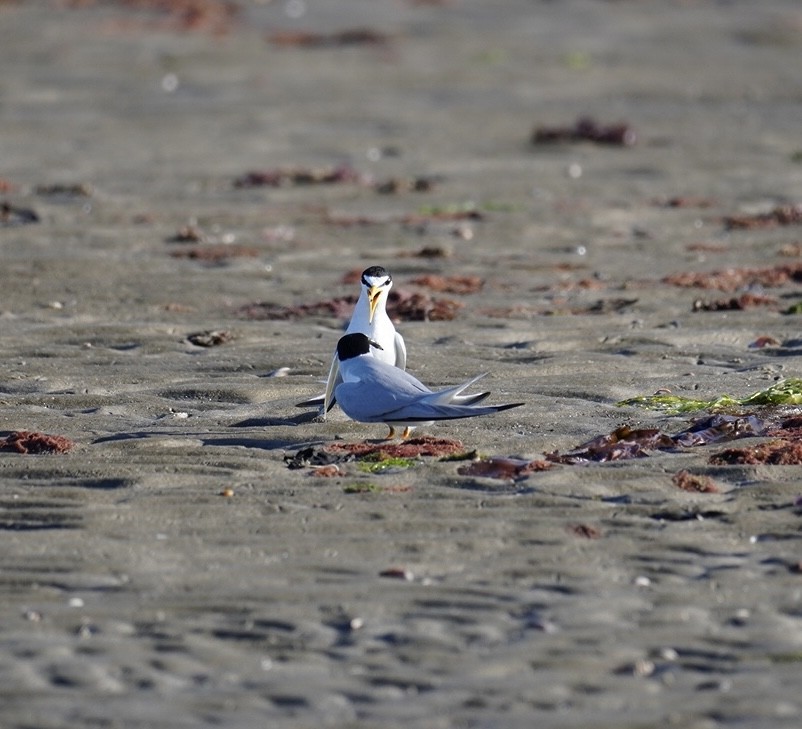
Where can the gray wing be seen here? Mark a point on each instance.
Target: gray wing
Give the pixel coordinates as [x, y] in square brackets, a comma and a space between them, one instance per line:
[445, 405]
[454, 396]
[422, 411]
[382, 388]
[387, 394]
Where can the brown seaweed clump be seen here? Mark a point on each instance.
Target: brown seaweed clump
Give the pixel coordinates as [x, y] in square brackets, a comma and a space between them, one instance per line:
[298, 177]
[425, 445]
[407, 306]
[26, 441]
[267, 311]
[775, 453]
[586, 129]
[333, 454]
[621, 444]
[697, 484]
[626, 442]
[450, 284]
[510, 469]
[401, 305]
[342, 38]
[585, 531]
[216, 254]
[397, 185]
[780, 215]
[187, 234]
[686, 201]
[210, 338]
[739, 303]
[208, 16]
[732, 279]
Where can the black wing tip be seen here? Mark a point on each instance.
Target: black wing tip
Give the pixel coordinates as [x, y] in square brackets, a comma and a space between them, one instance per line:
[508, 406]
[488, 410]
[476, 399]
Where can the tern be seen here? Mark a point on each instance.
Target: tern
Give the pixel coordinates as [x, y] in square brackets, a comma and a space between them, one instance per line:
[369, 318]
[373, 391]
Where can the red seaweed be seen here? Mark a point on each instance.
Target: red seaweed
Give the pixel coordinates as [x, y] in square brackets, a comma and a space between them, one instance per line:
[396, 185]
[216, 254]
[408, 306]
[686, 201]
[506, 468]
[450, 284]
[424, 445]
[348, 37]
[732, 279]
[187, 234]
[625, 442]
[336, 453]
[299, 177]
[737, 303]
[586, 129]
[210, 338]
[586, 531]
[778, 453]
[763, 341]
[339, 308]
[698, 484]
[26, 441]
[780, 215]
[211, 16]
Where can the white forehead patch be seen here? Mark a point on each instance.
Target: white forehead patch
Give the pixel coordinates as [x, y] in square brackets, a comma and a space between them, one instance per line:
[376, 280]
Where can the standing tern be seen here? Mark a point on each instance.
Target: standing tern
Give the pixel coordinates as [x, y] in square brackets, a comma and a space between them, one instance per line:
[373, 391]
[369, 318]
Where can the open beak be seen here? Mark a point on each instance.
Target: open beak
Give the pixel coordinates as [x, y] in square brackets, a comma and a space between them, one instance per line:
[374, 294]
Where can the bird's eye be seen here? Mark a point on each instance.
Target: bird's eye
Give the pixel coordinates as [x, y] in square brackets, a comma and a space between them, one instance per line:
[366, 282]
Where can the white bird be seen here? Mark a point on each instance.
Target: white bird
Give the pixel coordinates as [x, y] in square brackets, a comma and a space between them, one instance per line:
[373, 391]
[369, 318]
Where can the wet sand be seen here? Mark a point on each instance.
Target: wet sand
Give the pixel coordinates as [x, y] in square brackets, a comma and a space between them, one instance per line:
[172, 571]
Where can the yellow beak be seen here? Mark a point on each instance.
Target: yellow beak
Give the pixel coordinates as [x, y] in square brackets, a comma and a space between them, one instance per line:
[374, 294]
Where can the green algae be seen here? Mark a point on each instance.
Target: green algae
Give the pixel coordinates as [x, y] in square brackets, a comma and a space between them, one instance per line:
[787, 392]
[376, 463]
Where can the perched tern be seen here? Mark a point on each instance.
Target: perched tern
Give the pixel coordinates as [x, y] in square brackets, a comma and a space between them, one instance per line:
[369, 318]
[373, 391]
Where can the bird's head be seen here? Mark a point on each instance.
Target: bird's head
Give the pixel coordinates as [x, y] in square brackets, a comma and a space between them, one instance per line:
[376, 282]
[354, 345]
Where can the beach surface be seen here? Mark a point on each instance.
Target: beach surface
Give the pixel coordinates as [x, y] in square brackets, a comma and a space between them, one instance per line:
[590, 201]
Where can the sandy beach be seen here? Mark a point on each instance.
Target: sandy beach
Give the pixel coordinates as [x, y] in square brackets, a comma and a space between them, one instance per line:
[589, 200]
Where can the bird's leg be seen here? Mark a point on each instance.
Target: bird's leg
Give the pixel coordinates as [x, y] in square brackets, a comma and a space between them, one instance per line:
[406, 433]
[391, 434]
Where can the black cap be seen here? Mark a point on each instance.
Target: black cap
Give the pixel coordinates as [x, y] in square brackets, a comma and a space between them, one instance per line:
[375, 272]
[354, 345]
